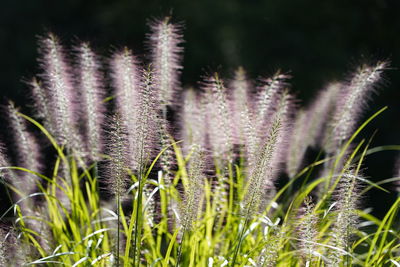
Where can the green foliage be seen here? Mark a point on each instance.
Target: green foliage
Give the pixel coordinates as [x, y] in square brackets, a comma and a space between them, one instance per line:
[82, 230]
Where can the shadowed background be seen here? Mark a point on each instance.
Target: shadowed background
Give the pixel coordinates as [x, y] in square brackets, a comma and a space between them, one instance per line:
[316, 41]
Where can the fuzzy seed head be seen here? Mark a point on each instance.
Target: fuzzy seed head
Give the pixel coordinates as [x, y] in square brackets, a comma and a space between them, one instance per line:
[91, 94]
[320, 112]
[297, 144]
[27, 150]
[353, 101]
[346, 197]
[165, 41]
[194, 190]
[126, 79]
[193, 130]
[268, 95]
[218, 118]
[307, 231]
[41, 104]
[240, 106]
[59, 91]
[146, 121]
[269, 156]
[117, 167]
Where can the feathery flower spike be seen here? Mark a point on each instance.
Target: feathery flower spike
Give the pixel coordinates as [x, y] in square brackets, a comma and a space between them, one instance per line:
[269, 156]
[346, 197]
[218, 118]
[59, 91]
[117, 166]
[126, 79]
[352, 102]
[267, 98]
[191, 202]
[320, 112]
[193, 130]
[27, 150]
[165, 41]
[91, 93]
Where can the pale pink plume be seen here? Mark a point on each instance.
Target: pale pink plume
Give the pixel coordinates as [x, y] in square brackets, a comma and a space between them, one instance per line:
[193, 129]
[59, 91]
[267, 98]
[264, 170]
[27, 153]
[239, 104]
[91, 92]
[320, 112]
[352, 102]
[219, 121]
[126, 81]
[166, 55]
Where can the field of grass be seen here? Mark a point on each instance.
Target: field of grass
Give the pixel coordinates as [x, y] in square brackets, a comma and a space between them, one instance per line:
[118, 165]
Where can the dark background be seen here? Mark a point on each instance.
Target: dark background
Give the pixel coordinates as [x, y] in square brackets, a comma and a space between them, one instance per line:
[317, 41]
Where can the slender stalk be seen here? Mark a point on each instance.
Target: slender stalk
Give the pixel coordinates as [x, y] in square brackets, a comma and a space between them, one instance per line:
[118, 226]
[138, 217]
[178, 258]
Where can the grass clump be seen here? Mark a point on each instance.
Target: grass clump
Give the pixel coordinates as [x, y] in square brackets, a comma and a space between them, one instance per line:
[140, 172]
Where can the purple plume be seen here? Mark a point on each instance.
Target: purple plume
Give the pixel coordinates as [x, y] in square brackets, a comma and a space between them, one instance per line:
[126, 79]
[91, 94]
[60, 91]
[219, 121]
[352, 102]
[166, 55]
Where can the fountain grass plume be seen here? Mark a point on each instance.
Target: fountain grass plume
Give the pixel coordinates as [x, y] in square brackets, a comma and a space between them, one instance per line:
[126, 81]
[41, 104]
[219, 121]
[320, 112]
[166, 55]
[116, 175]
[3, 247]
[234, 208]
[59, 91]
[91, 92]
[267, 97]
[307, 231]
[194, 188]
[240, 102]
[298, 143]
[346, 197]
[352, 101]
[26, 151]
[193, 130]
[269, 156]
[146, 121]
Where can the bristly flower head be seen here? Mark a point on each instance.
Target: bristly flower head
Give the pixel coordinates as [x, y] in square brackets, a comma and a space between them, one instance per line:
[91, 94]
[298, 143]
[267, 97]
[165, 41]
[319, 114]
[193, 130]
[126, 79]
[240, 103]
[41, 104]
[59, 91]
[146, 120]
[219, 123]
[346, 196]
[116, 175]
[194, 188]
[26, 150]
[268, 158]
[308, 231]
[353, 100]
